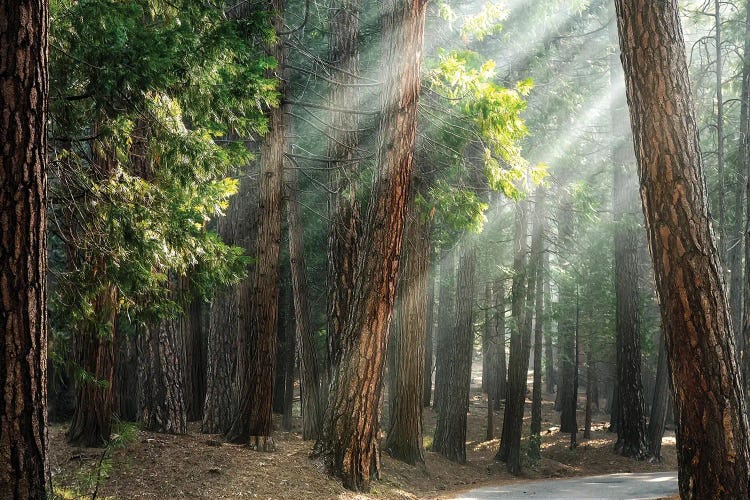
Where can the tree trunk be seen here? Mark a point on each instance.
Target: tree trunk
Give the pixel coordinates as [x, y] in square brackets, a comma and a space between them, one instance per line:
[502, 367]
[446, 309]
[195, 358]
[24, 471]
[162, 356]
[406, 352]
[631, 425]
[487, 335]
[658, 420]
[453, 405]
[349, 444]
[549, 360]
[539, 324]
[252, 421]
[125, 399]
[291, 336]
[428, 343]
[312, 411]
[712, 438]
[744, 160]
[343, 149]
[567, 394]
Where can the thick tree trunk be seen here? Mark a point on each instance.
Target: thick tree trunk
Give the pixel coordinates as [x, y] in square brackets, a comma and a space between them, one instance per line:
[453, 405]
[24, 471]
[631, 425]
[252, 420]
[125, 399]
[712, 437]
[429, 339]
[567, 393]
[161, 378]
[658, 420]
[343, 149]
[406, 350]
[349, 443]
[312, 411]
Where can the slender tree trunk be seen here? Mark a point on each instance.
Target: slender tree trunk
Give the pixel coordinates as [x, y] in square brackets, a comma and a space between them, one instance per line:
[539, 324]
[590, 382]
[24, 471]
[486, 336]
[744, 158]
[349, 444]
[658, 420]
[567, 394]
[502, 367]
[453, 405]
[719, 66]
[312, 411]
[252, 421]
[429, 339]
[195, 358]
[291, 358]
[406, 352]
[343, 148]
[125, 399]
[549, 360]
[712, 437]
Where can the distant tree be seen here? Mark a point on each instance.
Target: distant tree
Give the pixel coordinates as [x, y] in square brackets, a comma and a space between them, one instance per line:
[712, 437]
[24, 84]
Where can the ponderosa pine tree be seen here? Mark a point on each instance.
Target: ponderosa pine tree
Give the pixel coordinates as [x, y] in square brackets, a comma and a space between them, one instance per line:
[712, 437]
[24, 89]
[349, 444]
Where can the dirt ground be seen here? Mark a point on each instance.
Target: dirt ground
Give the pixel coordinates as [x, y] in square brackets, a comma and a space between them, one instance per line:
[203, 466]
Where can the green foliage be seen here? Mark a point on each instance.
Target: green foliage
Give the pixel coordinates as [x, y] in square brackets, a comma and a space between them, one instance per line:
[146, 98]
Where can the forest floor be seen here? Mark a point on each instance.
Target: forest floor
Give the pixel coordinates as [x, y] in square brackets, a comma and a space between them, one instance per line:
[203, 466]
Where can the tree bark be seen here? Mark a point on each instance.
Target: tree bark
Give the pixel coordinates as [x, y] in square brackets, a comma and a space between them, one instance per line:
[252, 421]
[446, 309]
[744, 159]
[502, 367]
[24, 471]
[406, 350]
[658, 420]
[567, 393]
[453, 405]
[349, 444]
[539, 324]
[343, 147]
[712, 437]
[429, 339]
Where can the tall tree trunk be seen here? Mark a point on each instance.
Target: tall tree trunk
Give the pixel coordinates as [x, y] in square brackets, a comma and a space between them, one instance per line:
[291, 359]
[24, 471]
[429, 338]
[744, 160]
[446, 310]
[487, 334]
[719, 66]
[502, 367]
[630, 419]
[539, 324]
[712, 437]
[406, 350]
[349, 444]
[252, 421]
[125, 399]
[312, 411]
[453, 405]
[659, 406]
[567, 394]
[549, 360]
[343, 149]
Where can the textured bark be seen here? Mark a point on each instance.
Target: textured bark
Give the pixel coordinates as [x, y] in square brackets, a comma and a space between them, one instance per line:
[446, 318]
[429, 339]
[343, 143]
[194, 368]
[744, 160]
[631, 425]
[161, 378]
[406, 351]
[712, 437]
[125, 399]
[24, 471]
[658, 420]
[453, 405]
[291, 360]
[93, 351]
[312, 411]
[252, 420]
[349, 444]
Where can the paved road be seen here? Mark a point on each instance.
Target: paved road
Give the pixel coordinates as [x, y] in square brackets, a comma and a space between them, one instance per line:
[609, 487]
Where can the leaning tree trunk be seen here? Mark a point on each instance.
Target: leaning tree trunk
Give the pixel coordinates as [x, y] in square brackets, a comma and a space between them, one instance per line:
[252, 420]
[343, 150]
[631, 425]
[406, 351]
[349, 444]
[24, 471]
[453, 405]
[712, 437]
